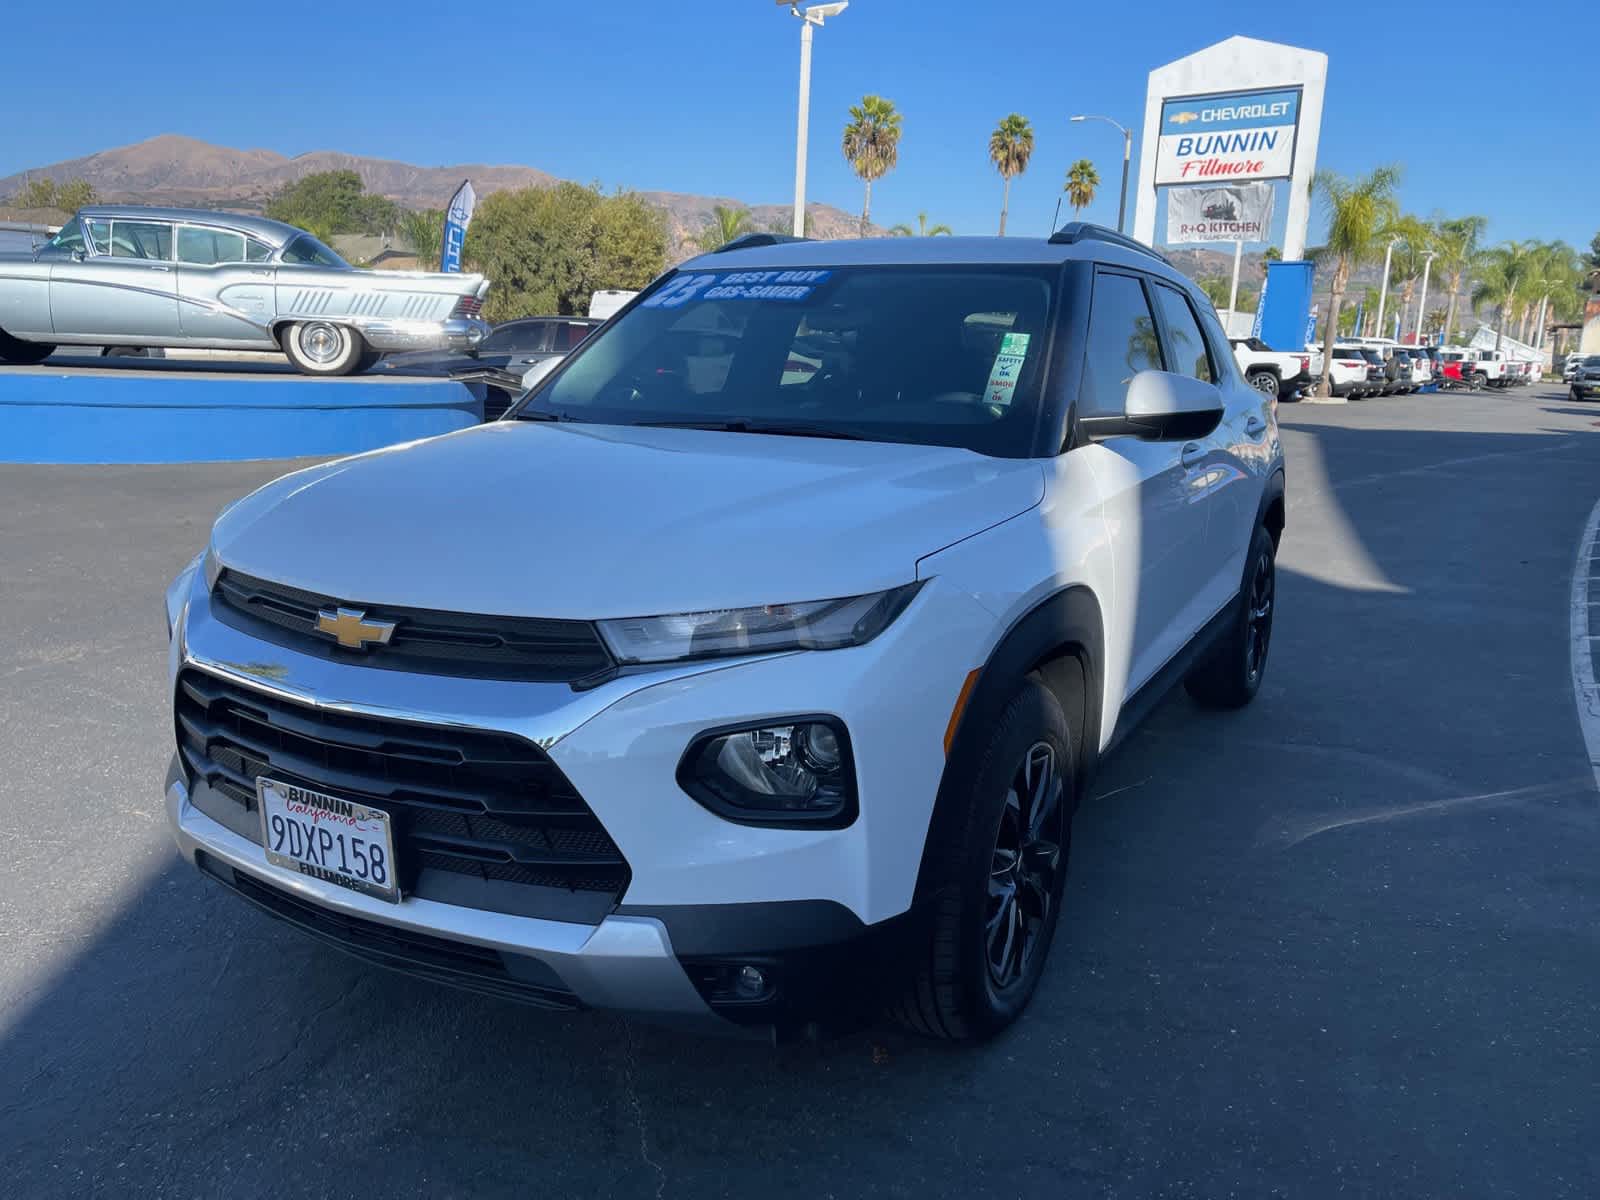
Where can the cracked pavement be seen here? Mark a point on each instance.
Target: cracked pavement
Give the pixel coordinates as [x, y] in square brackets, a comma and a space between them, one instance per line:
[1343, 942]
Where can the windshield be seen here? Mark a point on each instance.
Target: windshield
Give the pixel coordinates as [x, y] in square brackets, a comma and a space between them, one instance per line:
[943, 355]
[306, 250]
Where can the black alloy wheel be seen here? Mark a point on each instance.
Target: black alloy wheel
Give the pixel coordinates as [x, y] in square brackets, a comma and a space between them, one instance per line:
[1024, 867]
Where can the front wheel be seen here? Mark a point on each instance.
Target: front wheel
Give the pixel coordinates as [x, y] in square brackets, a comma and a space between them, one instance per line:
[322, 348]
[1230, 675]
[1005, 870]
[15, 350]
[1263, 381]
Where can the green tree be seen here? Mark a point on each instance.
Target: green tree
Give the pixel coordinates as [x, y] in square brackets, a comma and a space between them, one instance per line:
[1503, 275]
[1082, 180]
[424, 229]
[923, 229]
[785, 225]
[1010, 148]
[1415, 241]
[45, 192]
[329, 203]
[1456, 239]
[871, 145]
[1358, 211]
[723, 225]
[549, 249]
[1272, 254]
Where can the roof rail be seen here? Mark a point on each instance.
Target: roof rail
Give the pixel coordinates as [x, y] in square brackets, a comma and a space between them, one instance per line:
[747, 241]
[1077, 231]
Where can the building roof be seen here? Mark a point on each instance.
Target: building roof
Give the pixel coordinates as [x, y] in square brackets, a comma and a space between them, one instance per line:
[275, 233]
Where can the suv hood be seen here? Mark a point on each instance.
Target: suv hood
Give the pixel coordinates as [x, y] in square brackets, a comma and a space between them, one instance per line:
[520, 518]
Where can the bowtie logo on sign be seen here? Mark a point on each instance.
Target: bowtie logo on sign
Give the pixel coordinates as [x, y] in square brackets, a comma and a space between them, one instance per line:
[1229, 137]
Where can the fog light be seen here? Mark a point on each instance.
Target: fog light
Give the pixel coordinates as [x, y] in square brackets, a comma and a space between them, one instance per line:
[792, 772]
[750, 983]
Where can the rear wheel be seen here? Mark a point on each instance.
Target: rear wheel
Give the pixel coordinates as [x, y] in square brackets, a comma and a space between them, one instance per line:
[1005, 871]
[1231, 674]
[322, 348]
[1263, 381]
[15, 350]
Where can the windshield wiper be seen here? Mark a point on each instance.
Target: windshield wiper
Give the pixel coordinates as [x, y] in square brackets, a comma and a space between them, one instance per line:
[540, 414]
[757, 427]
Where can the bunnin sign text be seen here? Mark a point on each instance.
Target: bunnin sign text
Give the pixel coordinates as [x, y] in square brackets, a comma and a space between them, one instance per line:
[1228, 137]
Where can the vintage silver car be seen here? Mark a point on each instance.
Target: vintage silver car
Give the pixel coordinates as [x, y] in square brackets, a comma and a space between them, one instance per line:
[131, 276]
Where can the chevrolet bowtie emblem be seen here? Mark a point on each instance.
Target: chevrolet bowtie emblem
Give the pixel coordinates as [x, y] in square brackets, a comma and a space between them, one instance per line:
[1183, 118]
[351, 629]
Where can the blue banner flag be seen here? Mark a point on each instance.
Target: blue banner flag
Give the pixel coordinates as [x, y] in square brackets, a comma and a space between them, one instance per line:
[456, 219]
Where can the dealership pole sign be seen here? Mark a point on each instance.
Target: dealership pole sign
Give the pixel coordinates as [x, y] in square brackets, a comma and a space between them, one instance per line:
[1234, 136]
[1241, 111]
[1233, 212]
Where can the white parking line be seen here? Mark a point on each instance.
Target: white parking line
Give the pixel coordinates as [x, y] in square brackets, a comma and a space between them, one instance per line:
[1584, 686]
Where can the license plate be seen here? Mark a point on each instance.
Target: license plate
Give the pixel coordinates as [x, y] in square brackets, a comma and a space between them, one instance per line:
[327, 838]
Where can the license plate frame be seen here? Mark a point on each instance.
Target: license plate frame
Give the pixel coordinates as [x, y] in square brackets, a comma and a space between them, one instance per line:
[328, 837]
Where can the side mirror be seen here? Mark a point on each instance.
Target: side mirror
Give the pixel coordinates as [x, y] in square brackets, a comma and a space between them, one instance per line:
[1162, 406]
[78, 256]
[532, 377]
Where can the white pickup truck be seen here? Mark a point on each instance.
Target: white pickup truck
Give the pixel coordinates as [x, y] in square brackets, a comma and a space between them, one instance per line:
[1491, 364]
[1275, 372]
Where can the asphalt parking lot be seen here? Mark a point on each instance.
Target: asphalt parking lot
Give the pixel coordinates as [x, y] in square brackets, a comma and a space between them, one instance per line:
[1341, 943]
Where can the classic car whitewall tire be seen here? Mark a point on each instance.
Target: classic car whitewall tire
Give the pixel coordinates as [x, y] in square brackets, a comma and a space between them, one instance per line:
[322, 348]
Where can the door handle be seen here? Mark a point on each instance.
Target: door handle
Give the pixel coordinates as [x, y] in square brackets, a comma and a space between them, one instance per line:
[1191, 454]
[1255, 426]
[159, 267]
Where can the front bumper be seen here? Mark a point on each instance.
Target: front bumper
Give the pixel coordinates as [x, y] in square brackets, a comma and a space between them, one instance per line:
[457, 333]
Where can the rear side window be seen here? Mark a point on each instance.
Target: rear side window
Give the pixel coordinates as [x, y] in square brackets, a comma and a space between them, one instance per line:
[568, 334]
[205, 247]
[141, 239]
[1187, 346]
[1122, 342]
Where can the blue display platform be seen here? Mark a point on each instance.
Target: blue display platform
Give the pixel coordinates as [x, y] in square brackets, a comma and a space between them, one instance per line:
[150, 415]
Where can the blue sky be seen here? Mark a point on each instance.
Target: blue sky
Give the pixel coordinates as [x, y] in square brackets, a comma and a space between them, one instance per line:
[700, 97]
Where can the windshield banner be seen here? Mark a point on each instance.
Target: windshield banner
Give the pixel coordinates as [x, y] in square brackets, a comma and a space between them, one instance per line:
[1234, 212]
[457, 217]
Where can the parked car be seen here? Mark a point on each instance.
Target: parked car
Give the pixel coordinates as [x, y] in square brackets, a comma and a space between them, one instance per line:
[1277, 373]
[781, 708]
[1421, 366]
[500, 360]
[1586, 380]
[1348, 371]
[1571, 366]
[128, 276]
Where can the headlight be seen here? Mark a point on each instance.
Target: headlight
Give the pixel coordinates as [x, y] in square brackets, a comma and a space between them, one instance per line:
[789, 772]
[818, 625]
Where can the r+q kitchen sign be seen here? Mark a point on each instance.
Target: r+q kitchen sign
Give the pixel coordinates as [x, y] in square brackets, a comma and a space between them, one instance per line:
[1228, 136]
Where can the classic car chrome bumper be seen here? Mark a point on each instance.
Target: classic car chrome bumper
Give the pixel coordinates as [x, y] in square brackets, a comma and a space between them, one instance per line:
[458, 333]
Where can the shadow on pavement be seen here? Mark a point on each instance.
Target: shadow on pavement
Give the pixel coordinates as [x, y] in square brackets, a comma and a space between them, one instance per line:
[1342, 941]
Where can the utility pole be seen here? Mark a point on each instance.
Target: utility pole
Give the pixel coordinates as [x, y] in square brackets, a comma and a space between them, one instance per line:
[811, 18]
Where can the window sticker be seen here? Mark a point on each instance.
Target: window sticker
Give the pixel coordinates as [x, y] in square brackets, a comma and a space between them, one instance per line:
[737, 285]
[1007, 366]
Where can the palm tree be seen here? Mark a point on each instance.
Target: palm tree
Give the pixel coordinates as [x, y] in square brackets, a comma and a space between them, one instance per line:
[1410, 255]
[1082, 179]
[1456, 239]
[1506, 271]
[785, 225]
[922, 230]
[1558, 267]
[1271, 254]
[723, 225]
[1010, 148]
[872, 145]
[1358, 211]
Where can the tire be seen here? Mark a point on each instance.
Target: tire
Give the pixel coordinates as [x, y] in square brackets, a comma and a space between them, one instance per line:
[322, 347]
[132, 352]
[1013, 841]
[369, 359]
[15, 350]
[1263, 381]
[1231, 674]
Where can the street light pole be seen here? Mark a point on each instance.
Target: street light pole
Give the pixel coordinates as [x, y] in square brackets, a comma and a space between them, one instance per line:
[1422, 303]
[1127, 154]
[810, 18]
[1383, 292]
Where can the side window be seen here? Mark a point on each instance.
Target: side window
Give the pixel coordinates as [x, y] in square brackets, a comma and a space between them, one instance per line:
[1187, 345]
[1122, 342]
[205, 247]
[100, 235]
[141, 239]
[569, 335]
[255, 251]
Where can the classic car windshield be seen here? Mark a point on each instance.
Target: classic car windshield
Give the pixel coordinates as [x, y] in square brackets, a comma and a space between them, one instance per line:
[939, 355]
[69, 237]
[307, 251]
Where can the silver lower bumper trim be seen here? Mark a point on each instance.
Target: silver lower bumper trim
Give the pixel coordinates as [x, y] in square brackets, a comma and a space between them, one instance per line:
[624, 963]
[457, 333]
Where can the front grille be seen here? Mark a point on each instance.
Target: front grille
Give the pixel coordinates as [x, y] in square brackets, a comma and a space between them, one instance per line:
[461, 964]
[425, 641]
[479, 818]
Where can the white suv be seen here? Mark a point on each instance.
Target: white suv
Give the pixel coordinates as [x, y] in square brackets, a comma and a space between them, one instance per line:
[750, 670]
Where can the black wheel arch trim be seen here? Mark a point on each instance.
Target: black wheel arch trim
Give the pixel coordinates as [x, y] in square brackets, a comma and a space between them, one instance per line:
[1064, 635]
